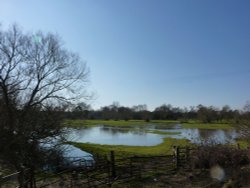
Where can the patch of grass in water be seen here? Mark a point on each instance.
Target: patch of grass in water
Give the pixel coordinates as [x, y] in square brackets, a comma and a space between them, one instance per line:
[162, 132]
[165, 126]
[123, 150]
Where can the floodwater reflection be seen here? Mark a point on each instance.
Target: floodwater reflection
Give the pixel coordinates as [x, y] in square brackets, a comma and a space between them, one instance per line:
[139, 137]
[208, 136]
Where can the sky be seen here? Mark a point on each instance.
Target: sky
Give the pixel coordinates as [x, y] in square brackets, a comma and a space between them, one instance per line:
[179, 52]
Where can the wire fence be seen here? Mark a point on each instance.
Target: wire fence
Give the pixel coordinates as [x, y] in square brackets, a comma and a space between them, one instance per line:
[93, 171]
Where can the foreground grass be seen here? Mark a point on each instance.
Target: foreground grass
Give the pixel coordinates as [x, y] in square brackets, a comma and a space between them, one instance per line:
[122, 150]
[244, 144]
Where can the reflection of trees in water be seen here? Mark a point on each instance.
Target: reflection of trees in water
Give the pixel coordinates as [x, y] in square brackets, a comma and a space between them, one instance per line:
[123, 130]
[209, 136]
[168, 126]
[230, 134]
[206, 134]
[114, 131]
[217, 136]
[78, 133]
[139, 131]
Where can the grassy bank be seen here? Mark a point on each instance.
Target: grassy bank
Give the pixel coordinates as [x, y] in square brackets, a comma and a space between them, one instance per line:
[243, 143]
[158, 123]
[162, 149]
[120, 123]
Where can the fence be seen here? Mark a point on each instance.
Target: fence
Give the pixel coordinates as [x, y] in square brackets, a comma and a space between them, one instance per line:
[114, 169]
[16, 179]
[103, 170]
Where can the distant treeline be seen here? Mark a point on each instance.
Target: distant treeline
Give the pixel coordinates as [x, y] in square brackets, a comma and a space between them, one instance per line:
[205, 114]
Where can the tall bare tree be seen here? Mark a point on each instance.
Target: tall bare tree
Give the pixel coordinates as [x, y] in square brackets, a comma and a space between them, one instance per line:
[37, 77]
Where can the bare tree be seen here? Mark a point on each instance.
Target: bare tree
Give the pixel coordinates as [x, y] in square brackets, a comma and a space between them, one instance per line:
[244, 123]
[37, 76]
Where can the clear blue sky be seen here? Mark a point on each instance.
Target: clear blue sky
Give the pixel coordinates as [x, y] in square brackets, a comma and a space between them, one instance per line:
[182, 52]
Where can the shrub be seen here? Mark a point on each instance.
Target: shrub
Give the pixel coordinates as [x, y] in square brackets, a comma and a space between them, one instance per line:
[224, 156]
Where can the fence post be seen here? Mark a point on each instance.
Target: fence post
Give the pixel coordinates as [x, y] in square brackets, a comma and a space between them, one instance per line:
[0, 179]
[238, 146]
[187, 154]
[112, 159]
[177, 157]
[21, 177]
[130, 167]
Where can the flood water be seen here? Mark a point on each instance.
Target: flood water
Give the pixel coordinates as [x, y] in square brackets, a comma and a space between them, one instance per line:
[139, 136]
[199, 136]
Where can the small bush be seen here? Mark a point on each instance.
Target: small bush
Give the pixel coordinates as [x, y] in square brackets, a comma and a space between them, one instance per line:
[225, 156]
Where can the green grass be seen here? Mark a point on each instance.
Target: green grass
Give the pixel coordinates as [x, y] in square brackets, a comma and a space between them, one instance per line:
[120, 123]
[243, 143]
[120, 150]
[162, 132]
[158, 123]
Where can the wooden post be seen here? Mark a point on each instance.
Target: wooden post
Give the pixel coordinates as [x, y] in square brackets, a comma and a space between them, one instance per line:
[238, 146]
[187, 157]
[130, 167]
[1, 180]
[187, 154]
[112, 160]
[177, 157]
[21, 177]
